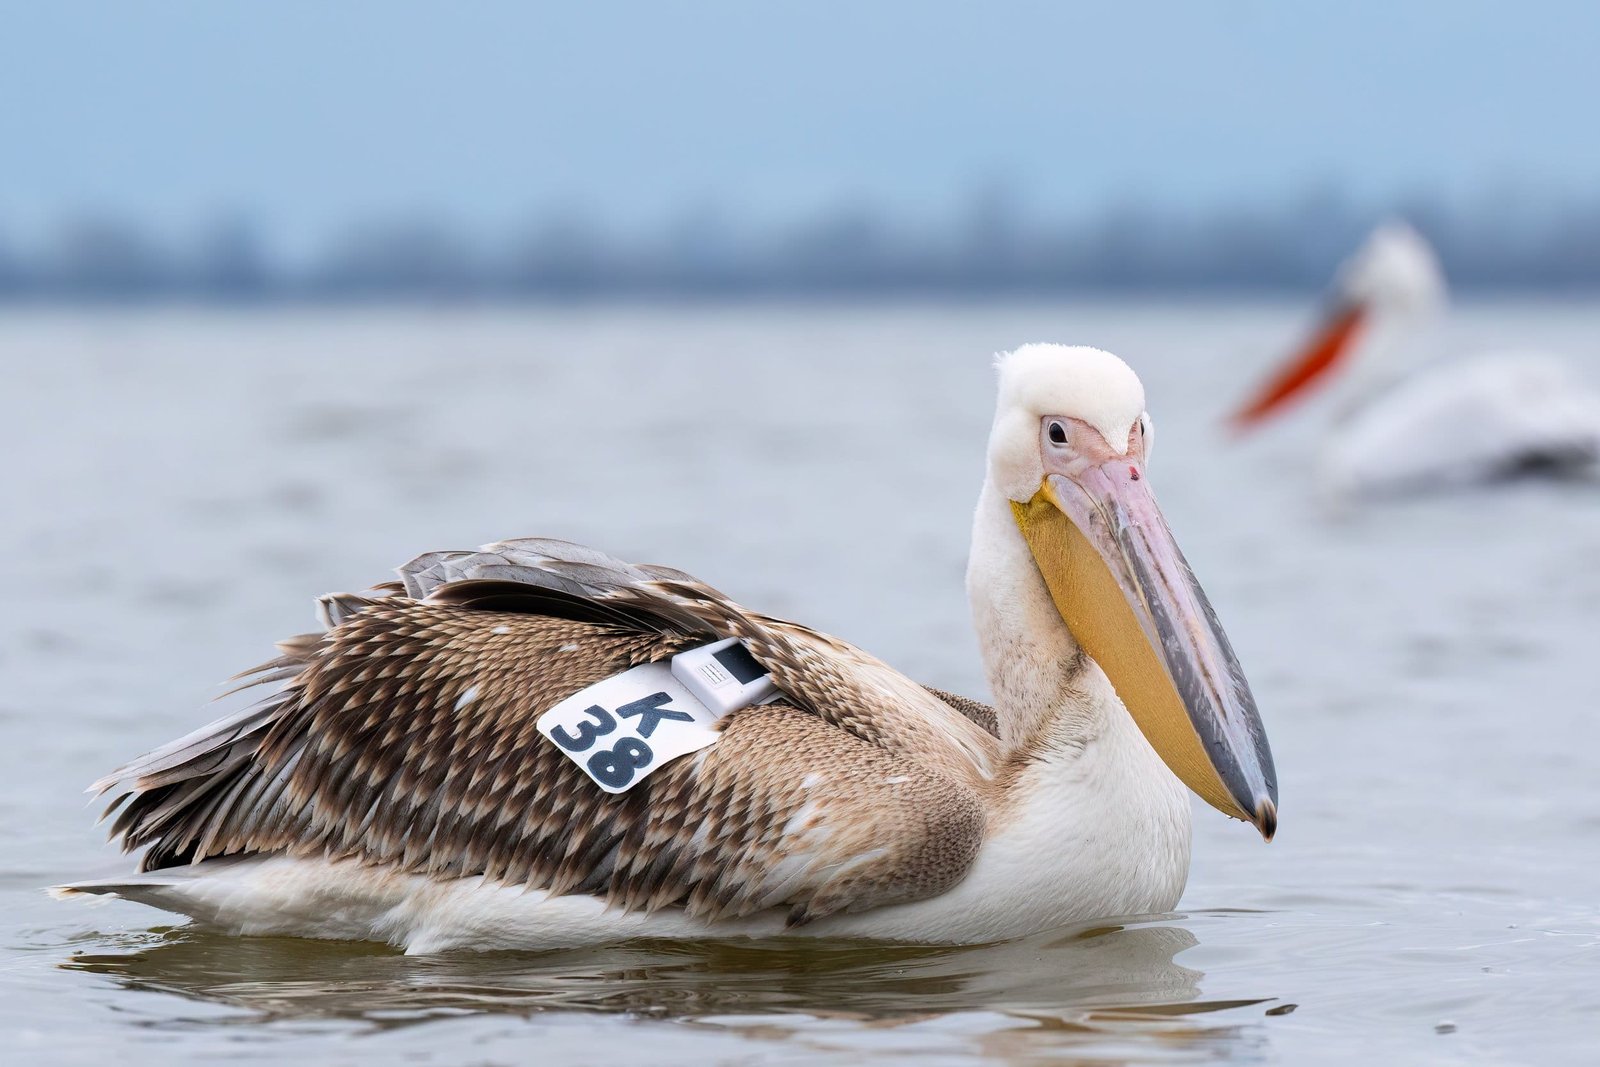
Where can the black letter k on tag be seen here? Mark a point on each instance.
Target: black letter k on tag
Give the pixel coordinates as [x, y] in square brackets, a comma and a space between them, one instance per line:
[649, 711]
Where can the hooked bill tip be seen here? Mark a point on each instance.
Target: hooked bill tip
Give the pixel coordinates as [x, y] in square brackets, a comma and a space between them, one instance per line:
[1266, 819]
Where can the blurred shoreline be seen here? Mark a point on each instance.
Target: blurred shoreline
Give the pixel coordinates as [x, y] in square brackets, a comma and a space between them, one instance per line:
[990, 248]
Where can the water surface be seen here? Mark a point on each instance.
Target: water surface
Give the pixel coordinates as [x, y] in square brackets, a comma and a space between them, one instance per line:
[178, 486]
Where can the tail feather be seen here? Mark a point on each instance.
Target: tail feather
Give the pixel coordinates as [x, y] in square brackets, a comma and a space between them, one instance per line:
[155, 888]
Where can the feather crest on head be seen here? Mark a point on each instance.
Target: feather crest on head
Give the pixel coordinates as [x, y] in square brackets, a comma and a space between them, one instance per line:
[1073, 381]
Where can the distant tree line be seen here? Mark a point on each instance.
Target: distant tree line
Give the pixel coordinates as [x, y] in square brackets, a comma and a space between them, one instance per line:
[990, 248]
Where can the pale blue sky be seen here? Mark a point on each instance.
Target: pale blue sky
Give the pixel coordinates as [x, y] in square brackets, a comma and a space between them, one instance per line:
[308, 114]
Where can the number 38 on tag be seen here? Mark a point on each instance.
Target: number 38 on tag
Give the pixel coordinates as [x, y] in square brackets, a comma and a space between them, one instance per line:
[623, 727]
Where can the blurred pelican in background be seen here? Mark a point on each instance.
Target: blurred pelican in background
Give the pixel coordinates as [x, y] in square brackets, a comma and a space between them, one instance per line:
[1405, 419]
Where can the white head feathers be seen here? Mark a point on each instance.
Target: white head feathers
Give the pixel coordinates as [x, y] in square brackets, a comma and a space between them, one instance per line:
[1395, 269]
[1073, 381]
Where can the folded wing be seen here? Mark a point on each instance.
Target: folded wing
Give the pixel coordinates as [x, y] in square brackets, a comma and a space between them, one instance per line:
[404, 735]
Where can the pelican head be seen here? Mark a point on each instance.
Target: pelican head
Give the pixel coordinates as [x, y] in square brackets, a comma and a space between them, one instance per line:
[1395, 270]
[1391, 285]
[1069, 448]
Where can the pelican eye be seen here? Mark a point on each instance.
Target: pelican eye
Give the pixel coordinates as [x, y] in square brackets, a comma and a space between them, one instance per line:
[1058, 433]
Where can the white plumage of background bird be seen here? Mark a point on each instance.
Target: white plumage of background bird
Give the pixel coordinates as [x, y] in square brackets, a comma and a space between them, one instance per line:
[1406, 416]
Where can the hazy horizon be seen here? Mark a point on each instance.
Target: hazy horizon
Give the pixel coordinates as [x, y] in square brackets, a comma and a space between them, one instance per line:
[305, 118]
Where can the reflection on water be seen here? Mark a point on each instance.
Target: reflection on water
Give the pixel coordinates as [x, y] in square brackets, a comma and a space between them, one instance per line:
[1087, 986]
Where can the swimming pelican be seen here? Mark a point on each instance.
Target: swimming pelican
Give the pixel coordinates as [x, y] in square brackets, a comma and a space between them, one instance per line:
[1406, 422]
[396, 787]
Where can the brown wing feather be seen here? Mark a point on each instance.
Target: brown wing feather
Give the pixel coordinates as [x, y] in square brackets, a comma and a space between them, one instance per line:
[834, 680]
[979, 713]
[406, 737]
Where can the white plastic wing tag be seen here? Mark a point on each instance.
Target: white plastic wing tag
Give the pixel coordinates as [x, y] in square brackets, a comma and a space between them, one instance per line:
[623, 727]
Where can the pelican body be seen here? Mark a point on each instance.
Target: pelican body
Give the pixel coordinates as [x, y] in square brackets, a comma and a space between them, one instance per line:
[391, 784]
[1406, 420]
